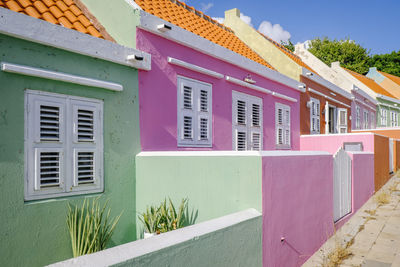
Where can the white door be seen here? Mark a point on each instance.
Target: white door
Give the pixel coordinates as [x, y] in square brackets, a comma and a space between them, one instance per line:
[391, 163]
[341, 184]
[342, 120]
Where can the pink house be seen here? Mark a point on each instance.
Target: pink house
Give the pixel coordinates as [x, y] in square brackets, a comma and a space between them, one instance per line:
[207, 90]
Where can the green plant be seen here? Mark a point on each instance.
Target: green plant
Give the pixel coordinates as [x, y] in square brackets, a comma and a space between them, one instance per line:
[90, 227]
[165, 217]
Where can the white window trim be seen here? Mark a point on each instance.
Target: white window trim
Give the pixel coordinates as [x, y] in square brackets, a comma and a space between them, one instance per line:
[66, 146]
[358, 117]
[286, 126]
[316, 116]
[341, 126]
[366, 119]
[383, 116]
[248, 128]
[195, 113]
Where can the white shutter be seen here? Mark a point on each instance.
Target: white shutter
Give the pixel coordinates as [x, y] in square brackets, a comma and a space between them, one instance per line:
[194, 113]
[314, 116]
[358, 117]
[282, 126]
[57, 126]
[246, 122]
[342, 120]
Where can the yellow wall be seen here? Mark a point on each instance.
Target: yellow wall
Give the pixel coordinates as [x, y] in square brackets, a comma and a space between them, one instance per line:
[391, 87]
[261, 46]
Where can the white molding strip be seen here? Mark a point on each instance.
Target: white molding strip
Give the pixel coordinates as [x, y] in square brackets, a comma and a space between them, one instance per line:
[150, 22]
[318, 79]
[39, 31]
[388, 99]
[328, 97]
[288, 98]
[336, 134]
[59, 76]
[364, 104]
[291, 153]
[195, 68]
[182, 153]
[387, 105]
[258, 88]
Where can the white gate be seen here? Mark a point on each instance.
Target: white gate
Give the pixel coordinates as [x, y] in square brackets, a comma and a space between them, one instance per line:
[341, 184]
[391, 165]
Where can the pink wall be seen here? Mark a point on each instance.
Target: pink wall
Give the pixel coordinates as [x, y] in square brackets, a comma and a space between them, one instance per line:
[331, 143]
[297, 205]
[158, 97]
[363, 185]
[372, 125]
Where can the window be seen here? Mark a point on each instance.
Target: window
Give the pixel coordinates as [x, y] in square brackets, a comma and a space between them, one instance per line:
[366, 119]
[373, 120]
[383, 117]
[63, 145]
[314, 116]
[342, 120]
[246, 122]
[358, 118]
[194, 113]
[393, 118]
[282, 125]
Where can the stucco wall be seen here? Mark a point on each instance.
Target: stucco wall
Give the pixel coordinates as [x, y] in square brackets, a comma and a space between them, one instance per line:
[34, 233]
[215, 183]
[297, 206]
[363, 186]
[381, 146]
[158, 97]
[371, 124]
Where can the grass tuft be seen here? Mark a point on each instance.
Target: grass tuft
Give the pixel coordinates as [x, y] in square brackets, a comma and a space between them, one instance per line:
[382, 198]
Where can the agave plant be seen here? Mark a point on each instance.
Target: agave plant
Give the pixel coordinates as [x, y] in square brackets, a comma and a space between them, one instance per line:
[164, 218]
[90, 227]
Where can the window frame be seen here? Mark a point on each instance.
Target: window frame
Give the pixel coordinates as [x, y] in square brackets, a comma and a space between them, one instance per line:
[339, 125]
[366, 119]
[358, 117]
[248, 127]
[315, 117]
[34, 145]
[196, 113]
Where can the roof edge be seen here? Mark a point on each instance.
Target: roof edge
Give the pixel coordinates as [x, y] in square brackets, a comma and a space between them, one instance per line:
[39, 31]
[149, 22]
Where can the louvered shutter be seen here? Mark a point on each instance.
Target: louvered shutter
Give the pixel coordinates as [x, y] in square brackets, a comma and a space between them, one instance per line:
[194, 113]
[49, 169]
[246, 122]
[87, 136]
[287, 126]
[342, 120]
[282, 125]
[314, 116]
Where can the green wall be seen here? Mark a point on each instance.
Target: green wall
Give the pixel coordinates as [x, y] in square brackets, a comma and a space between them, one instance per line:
[378, 112]
[34, 233]
[215, 185]
[118, 18]
[237, 245]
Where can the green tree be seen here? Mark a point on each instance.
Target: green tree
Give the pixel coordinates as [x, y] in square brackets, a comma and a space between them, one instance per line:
[350, 54]
[389, 63]
[288, 45]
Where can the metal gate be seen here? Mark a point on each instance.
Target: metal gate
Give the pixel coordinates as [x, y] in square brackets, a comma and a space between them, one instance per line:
[391, 163]
[341, 184]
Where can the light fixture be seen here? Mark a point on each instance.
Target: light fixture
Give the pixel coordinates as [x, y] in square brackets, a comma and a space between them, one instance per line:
[164, 27]
[309, 74]
[248, 79]
[134, 58]
[309, 103]
[302, 86]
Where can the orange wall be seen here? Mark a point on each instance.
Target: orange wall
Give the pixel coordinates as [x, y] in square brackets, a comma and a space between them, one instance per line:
[381, 147]
[396, 149]
[305, 111]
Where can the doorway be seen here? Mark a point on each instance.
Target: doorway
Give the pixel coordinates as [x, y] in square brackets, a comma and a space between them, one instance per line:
[331, 119]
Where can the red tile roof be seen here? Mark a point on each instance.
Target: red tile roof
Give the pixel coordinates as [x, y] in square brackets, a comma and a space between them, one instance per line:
[197, 22]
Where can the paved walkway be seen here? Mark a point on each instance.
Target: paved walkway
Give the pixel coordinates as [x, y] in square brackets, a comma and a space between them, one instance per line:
[371, 236]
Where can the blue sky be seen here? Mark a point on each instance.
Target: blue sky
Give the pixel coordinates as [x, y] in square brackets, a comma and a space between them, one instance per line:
[375, 24]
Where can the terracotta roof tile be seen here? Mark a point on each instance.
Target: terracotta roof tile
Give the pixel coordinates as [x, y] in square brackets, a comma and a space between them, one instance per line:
[394, 78]
[289, 53]
[192, 20]
[62, 12]
[370, 83]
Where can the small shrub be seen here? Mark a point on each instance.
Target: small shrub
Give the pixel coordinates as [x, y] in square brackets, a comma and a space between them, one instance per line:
[338, 255]
[164, 218]
[90, 227]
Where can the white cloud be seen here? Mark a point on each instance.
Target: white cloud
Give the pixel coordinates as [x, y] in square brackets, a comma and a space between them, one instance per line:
[220, 20]
[206, 7]
[245, 18]
[275, 31]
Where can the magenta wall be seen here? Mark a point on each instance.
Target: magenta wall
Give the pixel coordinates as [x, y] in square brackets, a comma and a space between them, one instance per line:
[363, 185]
[331, 143]
[158, 97]
[297, 205]
[372, 125]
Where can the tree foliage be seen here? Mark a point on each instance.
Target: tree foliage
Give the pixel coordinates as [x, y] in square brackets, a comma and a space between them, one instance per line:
[389, 63]
[350, 54]
[288, 45]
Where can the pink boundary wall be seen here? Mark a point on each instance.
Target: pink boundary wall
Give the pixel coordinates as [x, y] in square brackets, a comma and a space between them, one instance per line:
[297, 205]
[158, 97]
[332, 142]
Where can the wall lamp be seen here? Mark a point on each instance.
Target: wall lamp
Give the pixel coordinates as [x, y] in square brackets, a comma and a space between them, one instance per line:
[248, 79]
[309, 74]
[134, 58]
[164, 27]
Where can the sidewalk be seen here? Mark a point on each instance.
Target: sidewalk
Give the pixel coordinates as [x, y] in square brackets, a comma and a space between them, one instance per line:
[371, 238]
